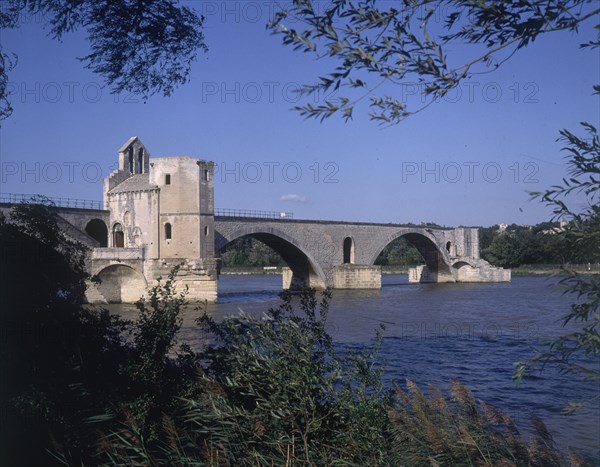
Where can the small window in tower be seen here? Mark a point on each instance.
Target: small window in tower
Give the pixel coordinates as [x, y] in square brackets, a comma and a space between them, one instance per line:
[168, 231]
[130, 158]
[140, 161]
[206, 175]
[205, 230]
[167, 179]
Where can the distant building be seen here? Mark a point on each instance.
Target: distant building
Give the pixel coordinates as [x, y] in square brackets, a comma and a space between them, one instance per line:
[562, 226]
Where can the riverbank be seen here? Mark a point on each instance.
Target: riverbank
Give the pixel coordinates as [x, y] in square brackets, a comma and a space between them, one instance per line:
[524, 270]
[555, 269]
[251, 270]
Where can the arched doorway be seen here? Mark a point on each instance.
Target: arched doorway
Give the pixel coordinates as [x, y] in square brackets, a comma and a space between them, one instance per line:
[118, 236]
[96, 228]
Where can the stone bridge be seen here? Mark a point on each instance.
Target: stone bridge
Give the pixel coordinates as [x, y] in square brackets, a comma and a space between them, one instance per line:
[342, 254]
[160, 213]
[318, 253]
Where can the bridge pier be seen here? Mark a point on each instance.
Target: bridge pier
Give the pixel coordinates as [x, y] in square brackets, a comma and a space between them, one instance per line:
[479, 271]
[422, 274]
[198, 276]
[475, 270]
[344, 276]
[125, 275]
[296, 280]
[356, 276]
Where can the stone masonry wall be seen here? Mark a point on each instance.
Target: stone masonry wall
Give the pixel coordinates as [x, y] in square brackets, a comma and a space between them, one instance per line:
[352, 276]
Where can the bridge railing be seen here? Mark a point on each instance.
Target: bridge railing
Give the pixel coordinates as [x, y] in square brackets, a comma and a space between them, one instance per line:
[16, 198]
[118, 253]
[252, 213]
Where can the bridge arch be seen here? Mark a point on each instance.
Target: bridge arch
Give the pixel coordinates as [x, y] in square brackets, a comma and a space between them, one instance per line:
[305, 270]
[120, 283]
[436, 258]
[463, 270]
[97, 229]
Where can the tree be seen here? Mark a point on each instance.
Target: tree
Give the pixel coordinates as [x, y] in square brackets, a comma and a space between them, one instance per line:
[505, 251]
[69, 370]
[140, 46]
[513, 247]
[406, 44]
[51, 346]
[577, 351]
[399, 252]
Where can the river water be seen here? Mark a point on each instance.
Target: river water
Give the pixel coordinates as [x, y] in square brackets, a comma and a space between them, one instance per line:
[436, 332]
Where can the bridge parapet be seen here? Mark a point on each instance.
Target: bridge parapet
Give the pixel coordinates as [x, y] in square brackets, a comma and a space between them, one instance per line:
[245, 213]
[118, 254]
[17, 198]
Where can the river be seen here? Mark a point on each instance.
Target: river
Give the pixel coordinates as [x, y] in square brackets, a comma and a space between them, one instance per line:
[436, 332]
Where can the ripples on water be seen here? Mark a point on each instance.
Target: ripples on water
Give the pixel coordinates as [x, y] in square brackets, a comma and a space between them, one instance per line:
[436, 332]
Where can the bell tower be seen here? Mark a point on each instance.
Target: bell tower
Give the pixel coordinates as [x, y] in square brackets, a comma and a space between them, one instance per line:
[134, 158]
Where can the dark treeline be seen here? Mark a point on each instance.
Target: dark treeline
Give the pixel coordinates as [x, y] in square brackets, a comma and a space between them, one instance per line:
[545, 243]
[247, 251]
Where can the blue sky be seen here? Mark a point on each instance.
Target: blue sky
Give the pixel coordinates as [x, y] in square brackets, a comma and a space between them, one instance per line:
[469, 160]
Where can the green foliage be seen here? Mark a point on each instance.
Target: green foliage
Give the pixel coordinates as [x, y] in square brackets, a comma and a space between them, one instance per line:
[155, 378]
[544, 243]
[400, 252]
[143, 47]
[57, 359]
[510, 249]
[406, 43]
[582, 236]
[7, 63]
[247, 251]
[277, 374]
[158, 324]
